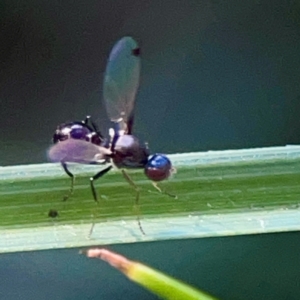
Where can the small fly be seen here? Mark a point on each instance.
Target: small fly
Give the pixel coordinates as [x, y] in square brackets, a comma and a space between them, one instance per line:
[82, 142]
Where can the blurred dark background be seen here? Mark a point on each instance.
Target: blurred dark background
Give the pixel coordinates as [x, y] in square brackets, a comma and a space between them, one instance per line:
[215, 74]
[264, 267]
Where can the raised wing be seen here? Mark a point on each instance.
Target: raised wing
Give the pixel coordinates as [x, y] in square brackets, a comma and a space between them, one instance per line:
[121, 82]
[78, 151]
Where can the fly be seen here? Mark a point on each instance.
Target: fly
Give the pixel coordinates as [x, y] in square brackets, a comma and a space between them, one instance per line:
[81, 142]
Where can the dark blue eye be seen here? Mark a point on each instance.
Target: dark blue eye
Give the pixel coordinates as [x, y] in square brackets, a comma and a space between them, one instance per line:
[158, 167]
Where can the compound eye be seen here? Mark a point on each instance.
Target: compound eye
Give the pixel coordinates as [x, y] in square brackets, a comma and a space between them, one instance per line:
[158, 167]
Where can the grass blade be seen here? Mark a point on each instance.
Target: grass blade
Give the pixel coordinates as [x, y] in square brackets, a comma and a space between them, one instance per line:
[219, 193]
[155, 281]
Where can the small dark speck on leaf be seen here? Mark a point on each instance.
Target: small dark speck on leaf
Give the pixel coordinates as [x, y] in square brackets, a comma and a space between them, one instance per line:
[53, 213]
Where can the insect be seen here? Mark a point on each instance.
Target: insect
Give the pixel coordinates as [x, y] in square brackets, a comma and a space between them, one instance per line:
[81, 142]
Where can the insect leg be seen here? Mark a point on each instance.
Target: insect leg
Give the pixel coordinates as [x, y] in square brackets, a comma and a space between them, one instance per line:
[95, 177]
[155, 184]
[95, 127]
[65, 167]
[88, 120]
[92, 179]
[137, 198]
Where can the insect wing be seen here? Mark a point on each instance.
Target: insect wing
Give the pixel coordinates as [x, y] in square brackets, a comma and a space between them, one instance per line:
[78, 151]
[121, 79]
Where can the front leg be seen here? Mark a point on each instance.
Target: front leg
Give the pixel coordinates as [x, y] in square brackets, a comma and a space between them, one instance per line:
[95, 177]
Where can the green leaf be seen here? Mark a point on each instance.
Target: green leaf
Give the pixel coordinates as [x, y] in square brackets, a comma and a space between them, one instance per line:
[219, 193]
[157, 282]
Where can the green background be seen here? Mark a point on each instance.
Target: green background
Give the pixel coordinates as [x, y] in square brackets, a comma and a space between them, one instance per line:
[243, 267]
[216, 75]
